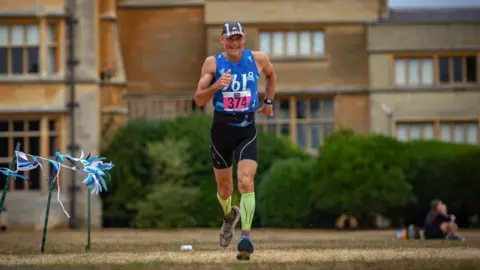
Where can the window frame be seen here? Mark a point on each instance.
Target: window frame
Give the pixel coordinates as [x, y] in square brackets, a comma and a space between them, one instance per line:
[262, 122]
[43, 134]
[435, 56]
[57, 45]
[420, 74]
[437, 122]
[43, 46]
[298, 30]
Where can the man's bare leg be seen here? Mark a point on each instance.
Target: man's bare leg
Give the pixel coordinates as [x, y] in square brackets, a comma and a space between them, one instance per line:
[246, 174]
[231, 214]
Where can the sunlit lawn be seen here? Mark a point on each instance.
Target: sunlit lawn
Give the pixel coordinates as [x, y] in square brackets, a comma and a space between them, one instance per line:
[275, 249]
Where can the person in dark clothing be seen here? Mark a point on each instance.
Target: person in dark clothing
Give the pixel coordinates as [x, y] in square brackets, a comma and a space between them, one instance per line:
[439, 224]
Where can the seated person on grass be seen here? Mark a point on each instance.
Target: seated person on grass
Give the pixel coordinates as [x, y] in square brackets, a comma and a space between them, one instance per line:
[439, 224]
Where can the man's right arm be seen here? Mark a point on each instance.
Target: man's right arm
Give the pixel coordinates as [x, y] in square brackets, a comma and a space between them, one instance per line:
[205, 91]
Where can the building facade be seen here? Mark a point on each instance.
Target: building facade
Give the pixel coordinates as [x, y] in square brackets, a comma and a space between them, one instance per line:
[354, 63]
[33, 107]
[410, 74]
[424, 65]
[319, 50]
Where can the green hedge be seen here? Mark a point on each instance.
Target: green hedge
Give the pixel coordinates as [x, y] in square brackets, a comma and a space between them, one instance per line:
[133, 177]
[354, 174]
[446, 171]
[361, 175]
[283, 197]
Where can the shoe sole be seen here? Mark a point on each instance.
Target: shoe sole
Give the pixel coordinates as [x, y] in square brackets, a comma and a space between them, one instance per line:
[245, 249]
[243, 256]
[235, 221]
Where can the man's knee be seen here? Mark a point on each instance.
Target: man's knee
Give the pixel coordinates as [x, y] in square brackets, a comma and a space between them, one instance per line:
[245, 182]
[246, 174]
[224, 182]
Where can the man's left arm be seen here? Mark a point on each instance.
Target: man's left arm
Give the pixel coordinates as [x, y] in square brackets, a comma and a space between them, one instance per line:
[269, 71]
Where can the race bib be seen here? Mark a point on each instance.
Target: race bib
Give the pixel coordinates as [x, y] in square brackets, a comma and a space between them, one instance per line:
[236, 101]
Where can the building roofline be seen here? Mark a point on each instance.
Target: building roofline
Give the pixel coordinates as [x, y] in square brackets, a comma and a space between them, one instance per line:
[56, 80]
[31, 13]
[52, 109]
[280, 23]
[320, 91]
[421, 22]
[133, 5]
[429, 8]
[422, 50]
[278, 91]
[431, 15]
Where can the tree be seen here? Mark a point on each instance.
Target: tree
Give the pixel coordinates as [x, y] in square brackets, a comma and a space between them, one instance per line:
[131, 176]
[136, 172]
[169, 204]
[284, 196]
[363, 175]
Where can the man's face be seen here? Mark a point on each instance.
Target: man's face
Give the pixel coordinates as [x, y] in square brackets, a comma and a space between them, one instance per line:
[234, 44]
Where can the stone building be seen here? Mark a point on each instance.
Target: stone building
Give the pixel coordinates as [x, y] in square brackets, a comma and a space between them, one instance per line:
[424, 65]
[33, 107]
[355, 63]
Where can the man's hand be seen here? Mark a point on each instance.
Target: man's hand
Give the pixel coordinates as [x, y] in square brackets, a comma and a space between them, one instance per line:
[270, 79]
[205, 91]
[266, 109]
[224, 81]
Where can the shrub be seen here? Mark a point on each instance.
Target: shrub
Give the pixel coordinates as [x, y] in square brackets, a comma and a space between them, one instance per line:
[168, 205]
[164, 177]
[365, 174]
[133, 176]
[445, 171]
[284, 196]
[340, 135]
[467, 168]
[169, 160]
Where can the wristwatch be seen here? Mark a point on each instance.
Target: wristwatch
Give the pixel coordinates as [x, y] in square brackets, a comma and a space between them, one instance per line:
[268, 101]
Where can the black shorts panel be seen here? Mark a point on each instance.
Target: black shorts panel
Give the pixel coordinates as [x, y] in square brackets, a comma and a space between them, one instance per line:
[228, 142]
[247, 149]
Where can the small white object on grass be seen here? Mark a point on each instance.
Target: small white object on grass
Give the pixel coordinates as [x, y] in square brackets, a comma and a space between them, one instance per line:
[186, 248]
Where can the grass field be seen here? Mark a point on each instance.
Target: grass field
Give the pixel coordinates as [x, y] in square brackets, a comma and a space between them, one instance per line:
[275, 249]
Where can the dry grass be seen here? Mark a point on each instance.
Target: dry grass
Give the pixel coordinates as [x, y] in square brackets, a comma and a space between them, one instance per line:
[275, 249]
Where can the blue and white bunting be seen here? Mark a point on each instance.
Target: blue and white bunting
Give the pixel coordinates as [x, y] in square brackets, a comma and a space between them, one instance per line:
[94, 168]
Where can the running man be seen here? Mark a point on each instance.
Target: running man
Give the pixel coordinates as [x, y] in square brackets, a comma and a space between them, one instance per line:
[230, 78]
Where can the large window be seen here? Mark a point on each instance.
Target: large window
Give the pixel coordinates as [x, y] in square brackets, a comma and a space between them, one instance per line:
[305, 120]
[457, 69]
[447, 131]
[414, 71]
[435, 70]
[52, 42]
[37, 137]
[280, 44]
[20, 49]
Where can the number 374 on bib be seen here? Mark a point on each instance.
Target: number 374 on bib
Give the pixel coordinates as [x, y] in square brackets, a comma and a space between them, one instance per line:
[236, 101]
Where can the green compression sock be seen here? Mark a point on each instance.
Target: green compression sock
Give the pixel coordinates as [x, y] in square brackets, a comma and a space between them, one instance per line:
[247, 208]
[226, 204]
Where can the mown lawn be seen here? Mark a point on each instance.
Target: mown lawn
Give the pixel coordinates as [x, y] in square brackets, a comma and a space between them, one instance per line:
[275, 249]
